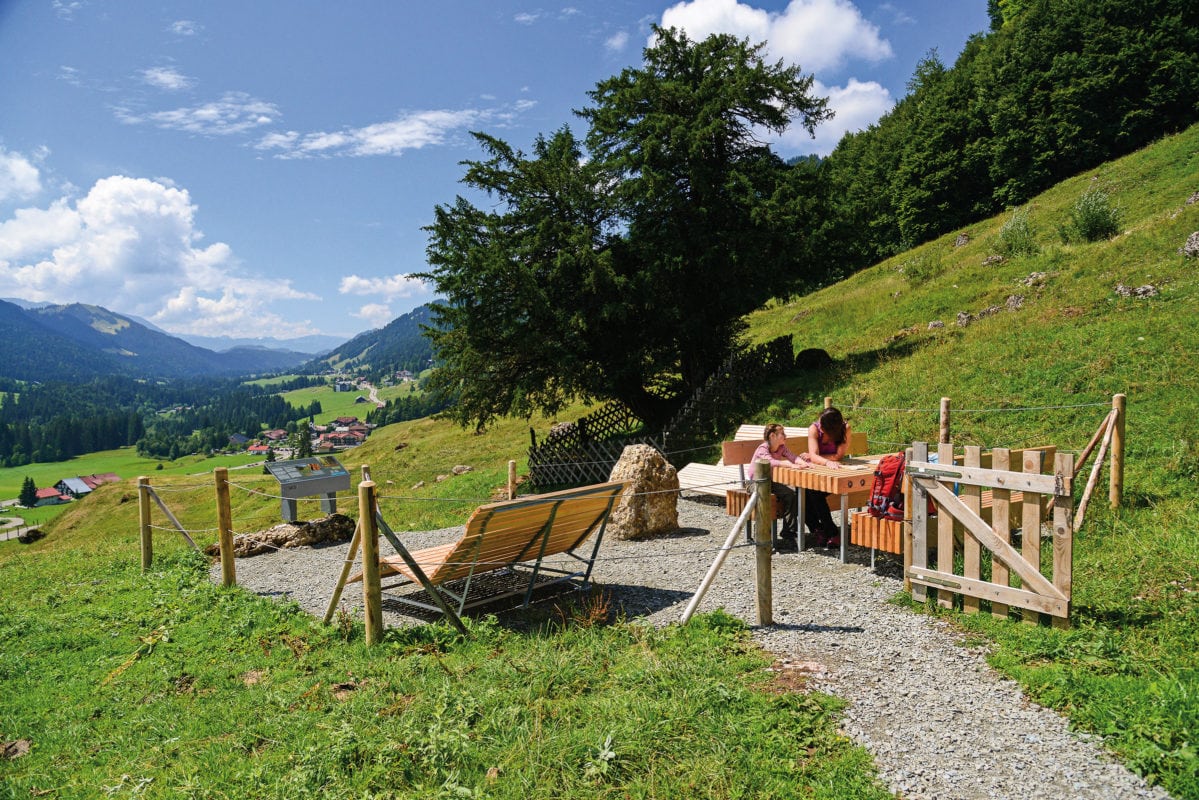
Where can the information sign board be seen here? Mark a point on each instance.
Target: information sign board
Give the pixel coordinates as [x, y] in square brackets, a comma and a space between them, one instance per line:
[309, 477]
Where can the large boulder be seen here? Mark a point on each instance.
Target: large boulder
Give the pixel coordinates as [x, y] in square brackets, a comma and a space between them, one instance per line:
[649, 505]
[333, 528]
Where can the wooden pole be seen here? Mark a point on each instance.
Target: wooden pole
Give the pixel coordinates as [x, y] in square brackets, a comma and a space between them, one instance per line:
[511, 480]
[828, 402]
[1116, 492]
[143, 508]
[372, 591]
[351, 554]
[224, 522]
[1086, 451]
[762, 581]
[1094, 478]
[366, 472]
[944, 436]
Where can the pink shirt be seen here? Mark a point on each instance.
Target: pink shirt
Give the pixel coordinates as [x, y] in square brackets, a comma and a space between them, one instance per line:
[778, 458]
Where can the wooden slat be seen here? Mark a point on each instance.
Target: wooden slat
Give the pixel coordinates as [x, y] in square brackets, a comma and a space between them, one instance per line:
[945, 537]
[1024, 481]
[1063, 539]
[971, 550]
[1001, 525]
[1030, 527]
[1004, 594]
[916, 509]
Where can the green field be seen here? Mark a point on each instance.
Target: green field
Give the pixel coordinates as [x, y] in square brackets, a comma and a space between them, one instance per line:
[125, 462]
[342, 404]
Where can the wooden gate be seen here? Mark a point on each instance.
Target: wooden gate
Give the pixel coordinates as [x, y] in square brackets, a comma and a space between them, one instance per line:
[990, 504]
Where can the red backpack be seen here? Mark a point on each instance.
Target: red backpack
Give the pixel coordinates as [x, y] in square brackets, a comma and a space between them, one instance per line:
[886, 493]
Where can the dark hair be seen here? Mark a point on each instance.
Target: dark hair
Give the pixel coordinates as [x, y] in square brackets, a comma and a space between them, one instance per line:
[833, 425]
[769, 429]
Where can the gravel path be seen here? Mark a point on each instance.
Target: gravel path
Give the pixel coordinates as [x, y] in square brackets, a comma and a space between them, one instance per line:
[938, 720]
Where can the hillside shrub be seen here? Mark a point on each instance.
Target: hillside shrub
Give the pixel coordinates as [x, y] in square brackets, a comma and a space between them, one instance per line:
[922, 268]
[1093, 218]
[1016, 237]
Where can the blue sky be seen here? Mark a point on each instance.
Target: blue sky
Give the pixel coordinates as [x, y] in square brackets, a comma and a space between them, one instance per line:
[254, 168]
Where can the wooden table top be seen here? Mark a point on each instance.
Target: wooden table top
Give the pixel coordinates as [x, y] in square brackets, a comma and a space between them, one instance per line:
[856, 474]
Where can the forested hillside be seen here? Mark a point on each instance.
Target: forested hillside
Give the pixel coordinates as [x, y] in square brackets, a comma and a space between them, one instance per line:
[619, 264]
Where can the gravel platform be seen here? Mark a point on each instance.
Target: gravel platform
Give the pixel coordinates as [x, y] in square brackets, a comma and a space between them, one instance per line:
[940, 723]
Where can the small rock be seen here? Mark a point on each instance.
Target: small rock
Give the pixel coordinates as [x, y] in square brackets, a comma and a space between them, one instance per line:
[1148, 290]
[1191, 248]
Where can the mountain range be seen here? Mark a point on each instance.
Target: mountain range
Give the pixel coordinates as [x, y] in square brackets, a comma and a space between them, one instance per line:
[79, 342]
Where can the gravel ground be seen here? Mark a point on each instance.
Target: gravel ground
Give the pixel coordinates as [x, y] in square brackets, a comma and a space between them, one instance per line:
[938, 720]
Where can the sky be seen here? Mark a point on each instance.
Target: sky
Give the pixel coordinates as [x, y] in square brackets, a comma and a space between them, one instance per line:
[265, 168]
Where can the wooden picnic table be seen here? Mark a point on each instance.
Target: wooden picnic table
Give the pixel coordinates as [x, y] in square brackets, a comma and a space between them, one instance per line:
[854, 477]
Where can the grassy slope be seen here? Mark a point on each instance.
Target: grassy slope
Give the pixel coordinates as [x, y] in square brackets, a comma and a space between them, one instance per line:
[1127, 669]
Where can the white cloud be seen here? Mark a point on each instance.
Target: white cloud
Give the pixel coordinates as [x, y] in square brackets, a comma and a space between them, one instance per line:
[131, 245]
[377, 315]
[526, 18]
[167, 78]
[616, 42]
[20, 179]
[390, 287]
[818, 36]
[184, 27]
[235, 112]
[410, 131]
[66, 10]
[856, 106]
[815, 34]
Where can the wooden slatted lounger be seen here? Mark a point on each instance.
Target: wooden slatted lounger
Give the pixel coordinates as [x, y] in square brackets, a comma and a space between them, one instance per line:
[504, 535]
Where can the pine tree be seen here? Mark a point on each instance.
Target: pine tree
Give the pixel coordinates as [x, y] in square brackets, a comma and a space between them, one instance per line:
[28, 496]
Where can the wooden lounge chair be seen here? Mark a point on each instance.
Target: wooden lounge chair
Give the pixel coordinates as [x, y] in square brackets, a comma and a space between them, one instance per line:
[500, 537]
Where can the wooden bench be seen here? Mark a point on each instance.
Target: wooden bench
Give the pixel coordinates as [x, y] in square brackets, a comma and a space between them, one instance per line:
[887, 534]
[502, 536]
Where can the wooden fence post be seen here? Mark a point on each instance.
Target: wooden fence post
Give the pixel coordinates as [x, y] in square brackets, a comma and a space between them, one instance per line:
[1116, 492]
[225, 527]
[828, 402]
[143, 509]
[762, 579]
[944, 421]
[372, 592]
[511, 480]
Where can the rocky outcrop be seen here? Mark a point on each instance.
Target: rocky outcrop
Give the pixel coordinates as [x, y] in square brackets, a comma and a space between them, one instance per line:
[333, 528]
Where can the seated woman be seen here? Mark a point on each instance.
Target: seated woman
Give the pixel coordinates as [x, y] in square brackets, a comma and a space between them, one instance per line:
[774, 449]
[828, 443]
